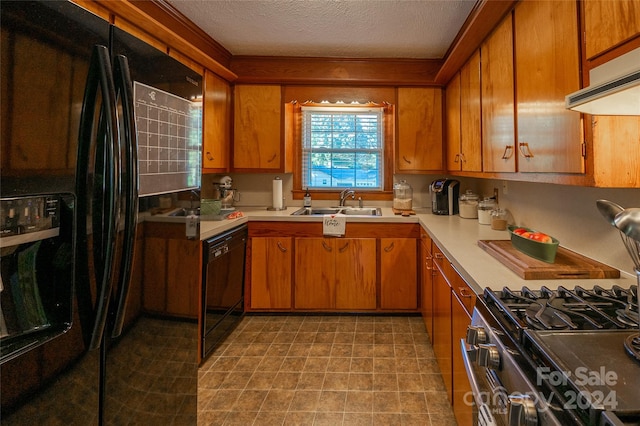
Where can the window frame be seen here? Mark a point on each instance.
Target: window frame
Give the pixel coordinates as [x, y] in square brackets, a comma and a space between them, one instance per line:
[294, 124]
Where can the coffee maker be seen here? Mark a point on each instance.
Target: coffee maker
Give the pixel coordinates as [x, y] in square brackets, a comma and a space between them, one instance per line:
[444, 196]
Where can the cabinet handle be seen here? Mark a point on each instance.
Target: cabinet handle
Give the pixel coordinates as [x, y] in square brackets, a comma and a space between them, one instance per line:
[281, 247]
[463, 158]
[528, 153]
[326, 247]
[389, 248]
[464, 292]
[456, 158]
[209, 156]
[405, 160]
[342, 249]
[508, 152]
[439, 256]
[272, 158]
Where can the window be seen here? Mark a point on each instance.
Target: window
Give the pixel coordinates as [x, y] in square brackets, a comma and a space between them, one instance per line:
[343, 147]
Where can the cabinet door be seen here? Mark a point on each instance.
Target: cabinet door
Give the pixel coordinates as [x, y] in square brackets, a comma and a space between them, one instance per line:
[441, 339]
[452, 101]
[547, 69]
[419, 146]
[608, 23]
[616, 155]
[460, 320]
[398, 273]
[498, 110]
[271, 273]
[183, 277]
[315, 273]
[470, 131]
[216, 123]
[355, 266]
[426, 291]
[154, 293]
[257, 127]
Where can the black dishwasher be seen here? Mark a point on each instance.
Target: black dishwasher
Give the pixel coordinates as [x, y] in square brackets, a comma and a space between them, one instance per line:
[223, 287]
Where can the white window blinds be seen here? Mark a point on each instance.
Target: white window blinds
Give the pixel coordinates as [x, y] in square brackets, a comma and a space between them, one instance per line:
[342, 147]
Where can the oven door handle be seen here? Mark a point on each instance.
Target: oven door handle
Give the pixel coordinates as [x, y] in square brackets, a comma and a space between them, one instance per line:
[483, 410]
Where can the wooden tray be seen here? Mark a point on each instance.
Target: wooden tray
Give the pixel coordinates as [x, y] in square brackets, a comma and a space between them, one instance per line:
[568, 264]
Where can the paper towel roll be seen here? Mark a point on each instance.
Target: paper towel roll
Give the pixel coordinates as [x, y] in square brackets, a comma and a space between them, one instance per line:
[277, 193]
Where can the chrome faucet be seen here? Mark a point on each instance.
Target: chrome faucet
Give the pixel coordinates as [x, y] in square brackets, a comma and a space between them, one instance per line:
[345, 193]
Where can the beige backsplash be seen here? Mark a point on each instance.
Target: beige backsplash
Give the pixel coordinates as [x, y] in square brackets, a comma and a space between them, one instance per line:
[568, 213]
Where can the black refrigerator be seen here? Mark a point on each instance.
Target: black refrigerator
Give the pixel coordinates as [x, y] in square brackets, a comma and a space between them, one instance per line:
[92, 119]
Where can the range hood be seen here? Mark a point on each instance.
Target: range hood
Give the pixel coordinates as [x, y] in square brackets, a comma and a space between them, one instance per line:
[614, 89]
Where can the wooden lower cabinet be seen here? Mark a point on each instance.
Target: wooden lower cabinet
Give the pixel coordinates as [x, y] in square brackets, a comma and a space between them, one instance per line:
[442, 339]
[270, 271]
[453, 303]
[426, 281]
[335, 273]
[398, 280]
[171, 277]
[462, 399]
[293, 267]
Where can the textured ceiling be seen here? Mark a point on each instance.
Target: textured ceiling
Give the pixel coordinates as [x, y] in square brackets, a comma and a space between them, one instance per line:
[330, 28]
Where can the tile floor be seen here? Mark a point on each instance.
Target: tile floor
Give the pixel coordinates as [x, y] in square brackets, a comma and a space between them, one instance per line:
[324, 370]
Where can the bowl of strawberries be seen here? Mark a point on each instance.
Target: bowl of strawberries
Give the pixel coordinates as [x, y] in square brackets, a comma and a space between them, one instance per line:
[534, 243]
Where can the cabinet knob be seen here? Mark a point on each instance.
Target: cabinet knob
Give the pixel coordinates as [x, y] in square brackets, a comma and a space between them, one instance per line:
[343, 248]
[281, 247]
[389, 247]
[209, 156]
[326, 246]
[273, 157]
[476, 335]
[406, 160]
[522, 411]
[456, 158]
[488, 356]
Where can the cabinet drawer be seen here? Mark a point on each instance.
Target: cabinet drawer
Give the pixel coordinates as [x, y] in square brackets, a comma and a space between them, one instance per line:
[464, 293]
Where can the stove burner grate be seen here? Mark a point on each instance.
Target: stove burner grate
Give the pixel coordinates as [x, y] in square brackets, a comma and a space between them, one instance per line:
[632, 345]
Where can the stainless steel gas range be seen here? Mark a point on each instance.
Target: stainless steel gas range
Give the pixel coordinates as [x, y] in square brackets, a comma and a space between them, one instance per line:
[555, 356]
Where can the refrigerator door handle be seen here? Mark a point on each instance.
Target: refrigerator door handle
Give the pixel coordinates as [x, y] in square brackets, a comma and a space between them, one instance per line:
[124, 88]
[99, 75]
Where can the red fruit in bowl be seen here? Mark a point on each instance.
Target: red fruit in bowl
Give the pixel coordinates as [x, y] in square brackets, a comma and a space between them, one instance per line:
[519, 231]
[540, 237]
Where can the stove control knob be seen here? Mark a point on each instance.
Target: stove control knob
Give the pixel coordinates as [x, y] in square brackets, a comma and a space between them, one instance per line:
[522, 411]
[488, 356]
[476, 335]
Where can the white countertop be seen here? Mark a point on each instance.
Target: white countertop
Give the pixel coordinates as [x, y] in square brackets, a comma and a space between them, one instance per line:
[457, 237]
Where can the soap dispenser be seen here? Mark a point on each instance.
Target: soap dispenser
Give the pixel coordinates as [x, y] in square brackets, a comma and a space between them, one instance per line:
[307, 199]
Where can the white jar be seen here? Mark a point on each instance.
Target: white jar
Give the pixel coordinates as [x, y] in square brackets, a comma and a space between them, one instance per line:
[468, 205]
[484, 210]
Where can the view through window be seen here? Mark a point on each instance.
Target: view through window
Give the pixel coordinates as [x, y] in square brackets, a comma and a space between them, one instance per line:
[342, 147]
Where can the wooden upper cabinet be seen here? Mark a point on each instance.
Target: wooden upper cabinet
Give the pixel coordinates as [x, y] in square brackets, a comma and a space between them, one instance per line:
[216, 135]
[498, 110]
[547, 69]
[452, 119]
[616, 153]
[257, 139]
[463, 111]
[609, 23]
[419, 144]
[470, 129]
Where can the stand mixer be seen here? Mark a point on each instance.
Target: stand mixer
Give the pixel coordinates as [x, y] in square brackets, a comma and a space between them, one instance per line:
[226, 193]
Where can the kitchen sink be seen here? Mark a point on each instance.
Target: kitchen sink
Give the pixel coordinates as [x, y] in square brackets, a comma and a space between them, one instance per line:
[184, 212]
[349, 211]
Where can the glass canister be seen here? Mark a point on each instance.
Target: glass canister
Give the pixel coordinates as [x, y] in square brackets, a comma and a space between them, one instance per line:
[498, 219]
[468, 205]
[484, 210]
[402, 196]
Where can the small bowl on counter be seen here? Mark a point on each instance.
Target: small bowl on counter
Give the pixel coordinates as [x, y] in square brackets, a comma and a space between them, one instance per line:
[542, 246]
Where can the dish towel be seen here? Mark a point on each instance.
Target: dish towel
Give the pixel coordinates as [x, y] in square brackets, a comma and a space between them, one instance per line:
[334, 224]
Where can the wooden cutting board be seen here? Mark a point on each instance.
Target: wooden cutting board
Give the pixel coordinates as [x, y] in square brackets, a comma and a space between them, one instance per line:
[568, 264]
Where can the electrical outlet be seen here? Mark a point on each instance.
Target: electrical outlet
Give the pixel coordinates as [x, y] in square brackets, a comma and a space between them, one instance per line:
[505, 187]
[495, 195]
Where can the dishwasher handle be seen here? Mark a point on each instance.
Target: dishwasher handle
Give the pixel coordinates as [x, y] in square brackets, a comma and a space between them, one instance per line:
[218, 250]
